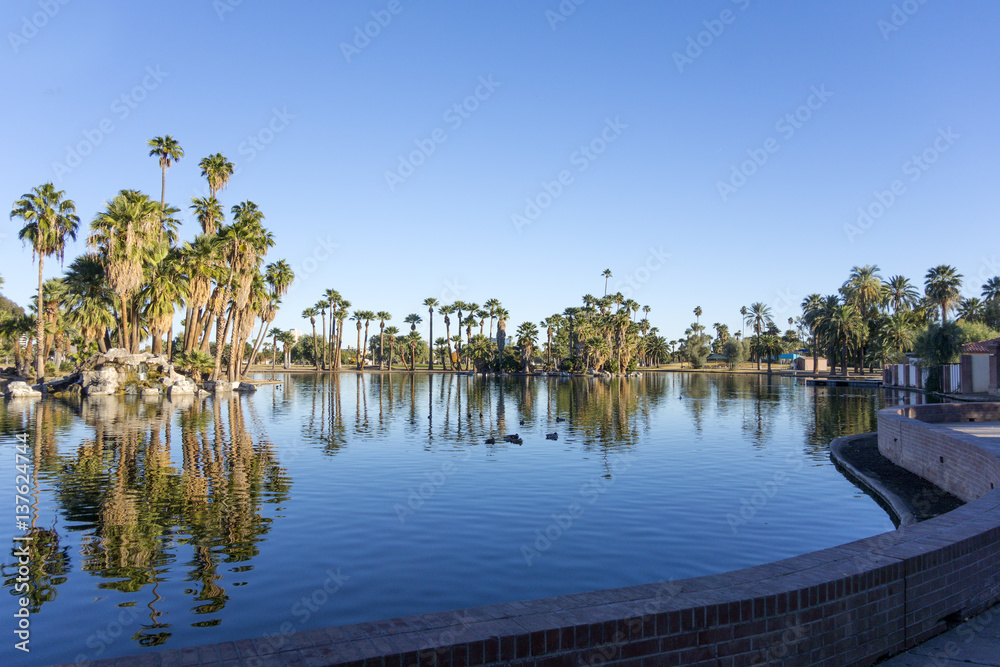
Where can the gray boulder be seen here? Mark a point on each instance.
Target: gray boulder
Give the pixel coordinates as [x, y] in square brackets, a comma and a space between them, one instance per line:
[183, 387]
[150, 391]
[103, 382]
[21, 390]
[218, 386]
[246, 388]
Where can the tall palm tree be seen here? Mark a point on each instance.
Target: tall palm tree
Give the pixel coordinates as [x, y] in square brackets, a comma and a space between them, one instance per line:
[897, 334]
[367, 316]
[697, 314]
[459, 306]
[942, 285]
[431, 304]
[743, 320]
[340, 315]
[845, 323]
[864, 289]
[442, 346]
[502, 315]
[49, 219]
[168, 151]
[527, 338]
[447, 311]
[217, 170]
[311, 313]
[607, 274]
[358, 317]
[165, 287]
[811, 312]
[551, 322]
[333, 299]
[89, 302]
[208, 211]
[383, 317]
[242, 245]
[392, 332]
[200, 261]
[902, 294]
[492, 306]
[279, 277]
[288, 341]
[275, 334]
[970, 310]
[128, 237]
[759, 318]
[413, 320]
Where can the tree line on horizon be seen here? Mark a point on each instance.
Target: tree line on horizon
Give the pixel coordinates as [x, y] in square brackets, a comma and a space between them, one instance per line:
[136, 274]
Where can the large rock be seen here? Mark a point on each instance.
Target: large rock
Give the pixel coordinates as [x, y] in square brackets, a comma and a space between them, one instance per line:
[218, 386]
[21, 390]
[103, 382]
[150, 391]
[183, 387]
[246, 388]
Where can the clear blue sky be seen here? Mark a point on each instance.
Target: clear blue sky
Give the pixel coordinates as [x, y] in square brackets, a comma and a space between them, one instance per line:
[671, 119]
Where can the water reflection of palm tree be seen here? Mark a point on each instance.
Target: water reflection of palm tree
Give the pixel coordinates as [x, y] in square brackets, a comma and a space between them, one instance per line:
[122, 484]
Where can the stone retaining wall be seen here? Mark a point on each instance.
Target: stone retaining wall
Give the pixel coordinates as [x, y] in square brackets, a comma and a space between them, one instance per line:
[848, 605]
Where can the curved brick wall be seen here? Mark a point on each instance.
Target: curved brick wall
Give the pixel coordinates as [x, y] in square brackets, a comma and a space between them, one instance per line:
[851, 604]
[923, 439]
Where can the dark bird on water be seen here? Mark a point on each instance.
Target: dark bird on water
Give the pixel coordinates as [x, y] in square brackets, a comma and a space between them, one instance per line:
[522, 422]
[491, 441]
[551, 436]
[559, 419]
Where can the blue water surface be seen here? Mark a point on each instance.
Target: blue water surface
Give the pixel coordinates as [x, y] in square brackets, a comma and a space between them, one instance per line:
[333, 499]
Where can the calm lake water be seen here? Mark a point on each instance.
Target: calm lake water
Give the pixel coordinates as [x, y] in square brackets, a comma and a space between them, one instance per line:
[338, 499]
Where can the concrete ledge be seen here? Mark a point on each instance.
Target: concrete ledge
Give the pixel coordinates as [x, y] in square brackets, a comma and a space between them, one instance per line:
[848, 605]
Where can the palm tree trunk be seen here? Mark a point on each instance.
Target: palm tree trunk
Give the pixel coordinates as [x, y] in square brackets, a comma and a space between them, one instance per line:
[122, 323]
[430, 341]
[364, 350]
[157, 340]
[256, 347]
[163, 192]
[325, 350]
[381, 341]
[340, 343]
[392, 346]
[220, 342]
[312, 321]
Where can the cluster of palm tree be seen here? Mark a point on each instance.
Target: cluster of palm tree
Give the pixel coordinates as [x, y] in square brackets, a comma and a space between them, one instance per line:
[136, 274]
[871, 320]
[603, 334]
